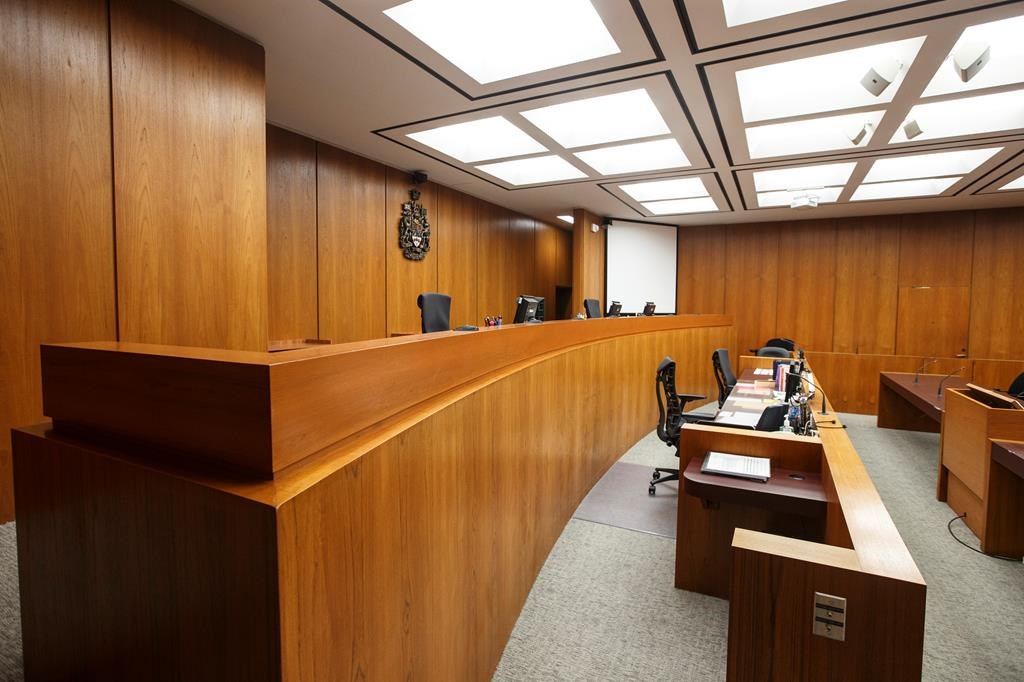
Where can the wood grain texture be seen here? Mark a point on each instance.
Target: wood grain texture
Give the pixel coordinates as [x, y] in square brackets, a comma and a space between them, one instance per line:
[867, 272]
[752, 283]
[998, 374]
[588, 260]
[521, 256]
[351, 250]
[807, 283]
[702, 270]
[563, 270]
[56, 204]
[997, 309]
[493, 280]
[291, 235]
[936, 249]
[407, 279]
[933, 320]
[457, 253]
[546, 260]
[189, 126]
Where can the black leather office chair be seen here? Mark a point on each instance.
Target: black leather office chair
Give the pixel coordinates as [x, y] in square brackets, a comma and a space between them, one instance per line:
[724, 377]
[787, 344]
[435, 311]
[592, 306]
[1017, 387]
[670, 417]
[773, 352]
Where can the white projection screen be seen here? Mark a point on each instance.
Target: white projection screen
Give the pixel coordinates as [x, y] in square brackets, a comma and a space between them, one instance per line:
[641, 266]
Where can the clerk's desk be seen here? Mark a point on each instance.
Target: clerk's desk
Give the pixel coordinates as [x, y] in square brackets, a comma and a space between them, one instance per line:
[770, 579]
[376, 510]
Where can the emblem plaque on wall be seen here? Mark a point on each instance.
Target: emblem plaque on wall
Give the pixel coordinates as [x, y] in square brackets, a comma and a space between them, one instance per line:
[414, 228]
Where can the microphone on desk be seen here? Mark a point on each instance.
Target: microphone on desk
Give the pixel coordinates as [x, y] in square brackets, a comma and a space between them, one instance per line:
[917, 375]
[824, 398]
[955, 371]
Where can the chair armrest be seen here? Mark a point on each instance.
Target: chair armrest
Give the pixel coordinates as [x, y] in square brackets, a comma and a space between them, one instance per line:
[687, 397]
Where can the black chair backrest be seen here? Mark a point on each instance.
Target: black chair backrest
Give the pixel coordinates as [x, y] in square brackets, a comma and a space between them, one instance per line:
[723, 373]
[436, 310]
[593, 308]
[1017, 387]
[781, 343]
[772, 418]
[670, 406]
[773, 352]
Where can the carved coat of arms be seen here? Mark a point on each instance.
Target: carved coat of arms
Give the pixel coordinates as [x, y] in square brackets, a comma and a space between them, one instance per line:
[414, 228]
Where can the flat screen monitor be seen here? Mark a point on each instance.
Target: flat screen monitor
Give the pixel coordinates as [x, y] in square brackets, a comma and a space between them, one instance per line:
[529, 309]
[649, 309]
[615, 309]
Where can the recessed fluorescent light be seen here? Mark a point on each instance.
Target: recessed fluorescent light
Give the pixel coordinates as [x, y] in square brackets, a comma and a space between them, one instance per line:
[676, 188]
[491, 40]
[748, 11]
[680, 206]
[925, 187]
[827, 82]
[1014, 184]
[631, 158]
[960, 162]
[567, 219]
[487, 138]
[1005, 67]
[801, 177]
[826, 195]
[967, 116]
[607, 118]
[811, 135]
[531, 171]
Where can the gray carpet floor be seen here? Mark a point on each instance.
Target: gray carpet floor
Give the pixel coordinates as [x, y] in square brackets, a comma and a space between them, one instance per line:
[604, 608]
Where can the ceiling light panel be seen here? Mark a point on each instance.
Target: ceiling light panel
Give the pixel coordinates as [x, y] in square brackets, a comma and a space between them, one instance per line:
[635, 158]
[595, 120]
[658, 190]
[739, 12]
[681, 206]
[959, 162]
[1005, 66]
[1014, 184]
[966, 116]
[803, 177]
[811, 135]
[534, 170]
[487, 138]
[491, 40]
[925, 187]
[828, 82]
[567, 219]
[826, 195]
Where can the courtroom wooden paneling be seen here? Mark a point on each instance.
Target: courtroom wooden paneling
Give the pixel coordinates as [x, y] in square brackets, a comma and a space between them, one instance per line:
[866, 278]
[493, 279]
[563, 270]
[291, 235]
[701, 270]
[456, 253]
[190, 190]
[546, 259]
[407, 279]
[522, 266]
[752, 282]
[56, 211]
[588, 260]
[933, 320]
[351, 250]
[807, 283]
[997, 308]
[998, 374]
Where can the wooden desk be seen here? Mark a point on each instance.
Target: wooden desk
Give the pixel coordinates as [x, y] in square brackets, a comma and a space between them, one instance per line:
[860, 556]
[376, 510]
[787, 492]
[1010, 455]
[913, 406]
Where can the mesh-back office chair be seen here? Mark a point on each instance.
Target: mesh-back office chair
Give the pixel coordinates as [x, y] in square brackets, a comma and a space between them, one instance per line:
[1017, 387]
[781, 343]
[670, 417]
[592, 306]
[724, 377]
[435, 310]
[773, 352]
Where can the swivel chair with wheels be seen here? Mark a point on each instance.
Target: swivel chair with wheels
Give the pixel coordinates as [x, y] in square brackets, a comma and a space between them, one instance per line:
[435, 310]
[724, 377]
[670, 417]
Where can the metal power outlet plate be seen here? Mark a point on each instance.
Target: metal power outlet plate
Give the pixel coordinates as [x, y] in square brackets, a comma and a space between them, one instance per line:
[829, 616]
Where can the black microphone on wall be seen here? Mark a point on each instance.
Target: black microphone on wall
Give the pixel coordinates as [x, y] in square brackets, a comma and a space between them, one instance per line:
[955, 371]
[917, 375]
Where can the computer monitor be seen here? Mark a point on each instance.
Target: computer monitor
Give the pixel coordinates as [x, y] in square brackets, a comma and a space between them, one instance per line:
[529, 309]
[649, 309]
[615, 309]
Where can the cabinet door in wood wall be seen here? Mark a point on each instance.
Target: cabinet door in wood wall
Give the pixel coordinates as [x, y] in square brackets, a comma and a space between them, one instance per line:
[189, 128]
[56, 212]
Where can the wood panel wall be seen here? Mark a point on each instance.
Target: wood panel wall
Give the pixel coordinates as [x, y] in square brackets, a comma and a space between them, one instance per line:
[56, 198]
[482, 255]
[896, 288]
[588, 260]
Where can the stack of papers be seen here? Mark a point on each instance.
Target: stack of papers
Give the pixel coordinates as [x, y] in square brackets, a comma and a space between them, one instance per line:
[763, 371]
[740, 466]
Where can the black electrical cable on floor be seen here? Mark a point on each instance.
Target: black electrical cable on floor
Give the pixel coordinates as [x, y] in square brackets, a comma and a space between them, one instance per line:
[949, 527]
